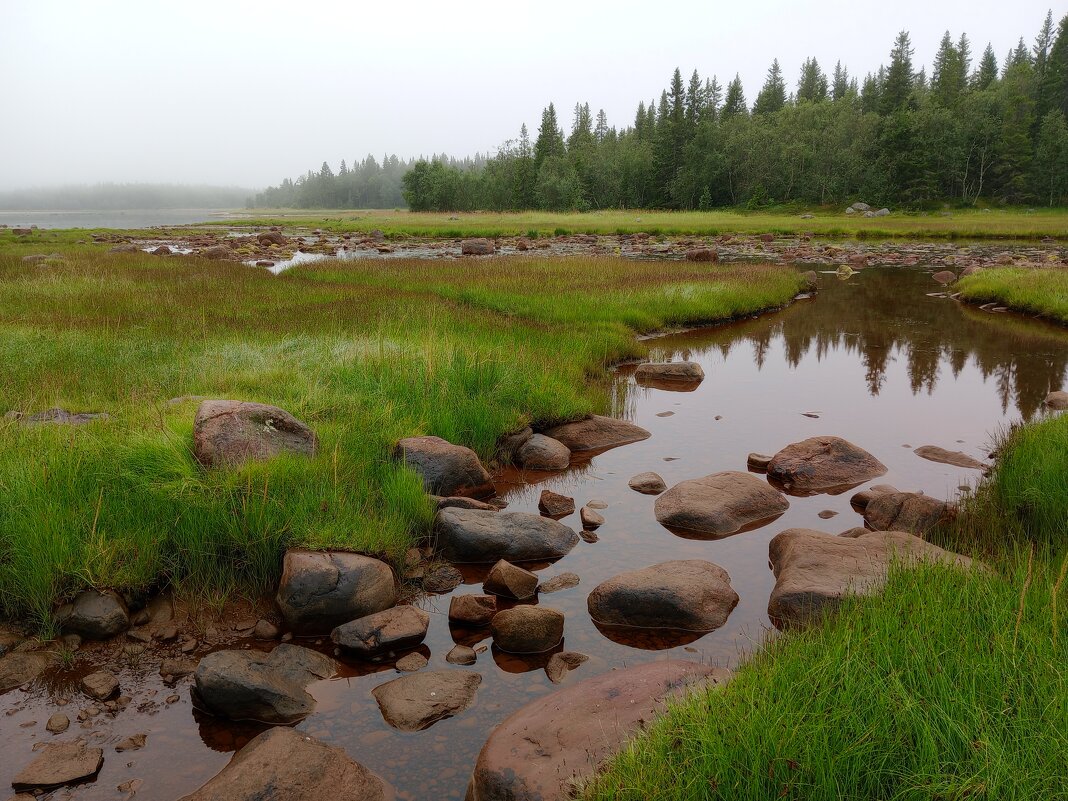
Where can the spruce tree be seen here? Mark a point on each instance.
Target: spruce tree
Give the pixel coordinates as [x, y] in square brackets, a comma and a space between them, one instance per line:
[550, 141]
[840, 82]
[713, 97]
[735, 101]
[812, 85]
[695, 101]
[897, 87]
[1054, 89]
[600, 131]
[987, 73]
[946, 83]
[772, 96]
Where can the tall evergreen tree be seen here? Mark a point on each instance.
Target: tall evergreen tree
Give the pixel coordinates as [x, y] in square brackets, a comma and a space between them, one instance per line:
[987, 73]
[695, 101]
[772, 96]
[946, 81]
[871, 94]
[600, 131]
[550, 141]
[713, 98]
[581, 127]
[812, 86]
[735, 101]
[897, 87]
[840, 82]
[1054, 89]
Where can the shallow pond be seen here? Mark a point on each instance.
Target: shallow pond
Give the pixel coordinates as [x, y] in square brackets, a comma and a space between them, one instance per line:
[880, 359]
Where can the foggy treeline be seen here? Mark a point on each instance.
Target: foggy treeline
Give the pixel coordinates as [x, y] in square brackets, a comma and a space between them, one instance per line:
[124, 196]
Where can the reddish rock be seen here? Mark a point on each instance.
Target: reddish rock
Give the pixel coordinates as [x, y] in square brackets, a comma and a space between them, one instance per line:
[472, 610]
[597, 433]
[823, 464]
[554, 504]
[510, 581]
[446, 469]
[228, 433]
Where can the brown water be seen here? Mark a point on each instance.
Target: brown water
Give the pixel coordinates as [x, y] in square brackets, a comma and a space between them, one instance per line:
[880, 362]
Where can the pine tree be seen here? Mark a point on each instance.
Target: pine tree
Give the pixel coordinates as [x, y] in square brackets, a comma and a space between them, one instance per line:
[600, 131]
[812, 85]
[713, 97]
[897, 87]
[964, 53]
[946, 84]
[1054, 89]
[772, 96]
[695, 102]
[871, 95]
[840, 82]
[581, 127]
[987, 73]
[550, 141]
[735, 100]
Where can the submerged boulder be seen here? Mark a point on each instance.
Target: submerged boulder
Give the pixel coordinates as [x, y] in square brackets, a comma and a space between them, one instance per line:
[251, 685]
[814, 570]
[22, 667]
[282, 763]
[446, 469]
[945, 277]
[933, 453]
[527, 629]
[323, 589]
[57, 764]
[389, 630]
[227, 433]
[823, 464]
[597, 433]
[543, 453]
[94, 615]
[476, 536]
[546, 748]
[719, 504]
[691, 595]
[418, 701]
[1057, 400]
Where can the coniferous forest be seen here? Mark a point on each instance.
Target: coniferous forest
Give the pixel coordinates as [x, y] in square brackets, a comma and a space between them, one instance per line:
[974, 127]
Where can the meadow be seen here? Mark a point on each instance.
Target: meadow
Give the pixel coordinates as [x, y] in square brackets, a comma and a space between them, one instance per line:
[365, 352]
[1043, 292]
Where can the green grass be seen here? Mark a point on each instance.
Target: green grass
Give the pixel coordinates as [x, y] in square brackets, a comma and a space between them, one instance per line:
[956, 224]
[1036, 291]
[365, 352]
[947, 685]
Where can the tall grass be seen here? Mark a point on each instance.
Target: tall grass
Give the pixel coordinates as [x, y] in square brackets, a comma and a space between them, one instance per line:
[1036, 291]
[365, 352]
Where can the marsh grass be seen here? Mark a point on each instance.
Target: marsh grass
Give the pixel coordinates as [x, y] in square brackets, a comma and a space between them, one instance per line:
[1041, 291]
[947, 685]
[365, 352]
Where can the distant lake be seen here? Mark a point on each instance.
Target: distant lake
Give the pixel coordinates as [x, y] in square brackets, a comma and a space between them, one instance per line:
[123, 218]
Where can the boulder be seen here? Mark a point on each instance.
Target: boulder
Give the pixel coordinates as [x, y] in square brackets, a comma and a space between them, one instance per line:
[418, 701]
[270, 238]
[510, 581]
[905, 511]
[284, 764]
[462, 502]
[508, 444]
[472, 610]
[22, 667]
[94, 615]
[443, 578]
[461, 655]
[545, 749]
[647, 483]
[323, 589]
[57, 723]
[554, 504]
[686, 372]
[100, 684]
[823, 464]
[1057, 400]
[251, 685]
[884, 212]
[702, 254]
[57, 764]
[758, 462]
[859, 206]
[527, 629]
[217, 252]
[476, 536]
[227, 433]
[945, 277]
[543, 453]
[719, 504]
[395, 629]
[813, 570]
[597, 433]
[477, 247]
[446, 469]
[935, 454]
[688, 595]
[563, 581]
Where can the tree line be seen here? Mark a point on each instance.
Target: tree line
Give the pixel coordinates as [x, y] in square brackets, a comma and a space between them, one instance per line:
[975, 128]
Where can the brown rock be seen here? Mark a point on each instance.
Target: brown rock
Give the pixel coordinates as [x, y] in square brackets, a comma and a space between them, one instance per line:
[906, 511]
[1057, 400]
[510, 581]
[58, 764]
[564, 581]
[935, 454]
[100, 685]
[554, 504]
[19, 668]
[508, 444]
[446, 469]
[758, 462]
[133, 743]
[684, 372]
[823, 464]
[58, 723]
[945, 277]
[472, 610]
[418, 701]
[527, 629]
[597, 433]
[477, 537]
[720, 504]
[702, 254]
[442, 578]
[590, 518]
[461, 502]
[320, 590]
[393, 629]
[412, 662]
[477, 247]
[228, 433]
[543, 453]
[647, 483]
[461, 655]
[559, 665]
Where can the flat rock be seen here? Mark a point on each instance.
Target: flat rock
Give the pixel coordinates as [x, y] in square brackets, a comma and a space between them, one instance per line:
[688, 595]
[814, 570]
[323, 589]
[227, 433]
[553, 504]
[906, 511]
[597, 433]
[134, 742]
[821, 464]
[442, 578]
[647, 483]
[527, 629]
[177, 668]
[543, 453]
[476, 536]
[1057, 400]
[933, 453]
[685, 372]
[563, 581]
[446, 469]
[101, 684]
[286, 765]
[395, 629]
[545, 749]
[250, 685]
[19, 668]
[462, 502]
[719, 504]
[472, 610]
[461, 655]
[510, 581]
[416, 702]
[94, 615]
[57, 764]
[559, 665]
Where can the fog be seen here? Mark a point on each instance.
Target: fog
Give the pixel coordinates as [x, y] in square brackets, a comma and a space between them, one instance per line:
[246, 93]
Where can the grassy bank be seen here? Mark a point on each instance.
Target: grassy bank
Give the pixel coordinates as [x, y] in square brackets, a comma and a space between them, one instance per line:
[1034, 291]
[366, 353]
[948, 685]
[956, 224]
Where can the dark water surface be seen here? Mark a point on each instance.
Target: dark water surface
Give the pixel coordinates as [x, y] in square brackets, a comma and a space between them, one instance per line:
[880, 362]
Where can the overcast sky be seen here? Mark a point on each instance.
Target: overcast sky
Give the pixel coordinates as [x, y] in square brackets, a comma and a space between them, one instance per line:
[245, 93]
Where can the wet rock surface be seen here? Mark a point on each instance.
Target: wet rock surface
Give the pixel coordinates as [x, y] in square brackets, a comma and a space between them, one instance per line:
[597, 433]
[446, 469]
[510, 581]
[720, 504]
[95, 615]
[323, 589]
[476, 536]
[58, 764]
[906, 511]
[527, 629]
[934, 453]
[553, 504]
[17, 669]
[472, 610]
[228, 433]
[543, 453]
[415, 702]
[395, 629]
[823, 464]
[647, 483]
[684, 372]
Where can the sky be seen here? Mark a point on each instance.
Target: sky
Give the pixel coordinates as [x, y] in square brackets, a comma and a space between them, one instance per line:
[241, 93]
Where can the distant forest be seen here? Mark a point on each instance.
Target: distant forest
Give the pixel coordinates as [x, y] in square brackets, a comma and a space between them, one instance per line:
[973, 129]
[112, 197]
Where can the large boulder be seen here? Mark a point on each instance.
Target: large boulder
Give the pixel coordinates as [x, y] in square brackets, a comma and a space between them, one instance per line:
[228, 433]
[446, 469]
[477, 536]
[323, 589]
[94, 615]
[813, 570]
[1057, 400]
[543, 453]
[527, 629]
[286, 765]
[719, 504]
[545, 749]
[389, 630]
[904, 511]
[252, 685]
[823, 464]
[691, 595]
[597, 433]
[683, 372]
[57, 764]
[933, 453]
[419, 700]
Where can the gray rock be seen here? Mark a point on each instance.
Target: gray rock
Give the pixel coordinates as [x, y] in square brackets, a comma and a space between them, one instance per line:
[250, 685]
[63, 417]
[446, 469]
[442, 578]
[265, 630]
[510, 581]
[647, 483]
[597, 433]
[590, 519]
[719, 504]
[543, 453]
[323, 589]
[418, 701]
[228, 433]
[508, 444]
[95, 615]
[475, 536]
[527, 629]
[57, 764]
[906, 511]
[395, 629]
[472, 610]
[412, 662]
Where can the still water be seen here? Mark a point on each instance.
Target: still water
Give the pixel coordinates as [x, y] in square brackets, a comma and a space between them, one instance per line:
[876, 359]
[133, 218]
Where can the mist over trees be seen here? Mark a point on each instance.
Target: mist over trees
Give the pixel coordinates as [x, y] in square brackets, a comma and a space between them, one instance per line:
[976, 127]
[113, 197]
